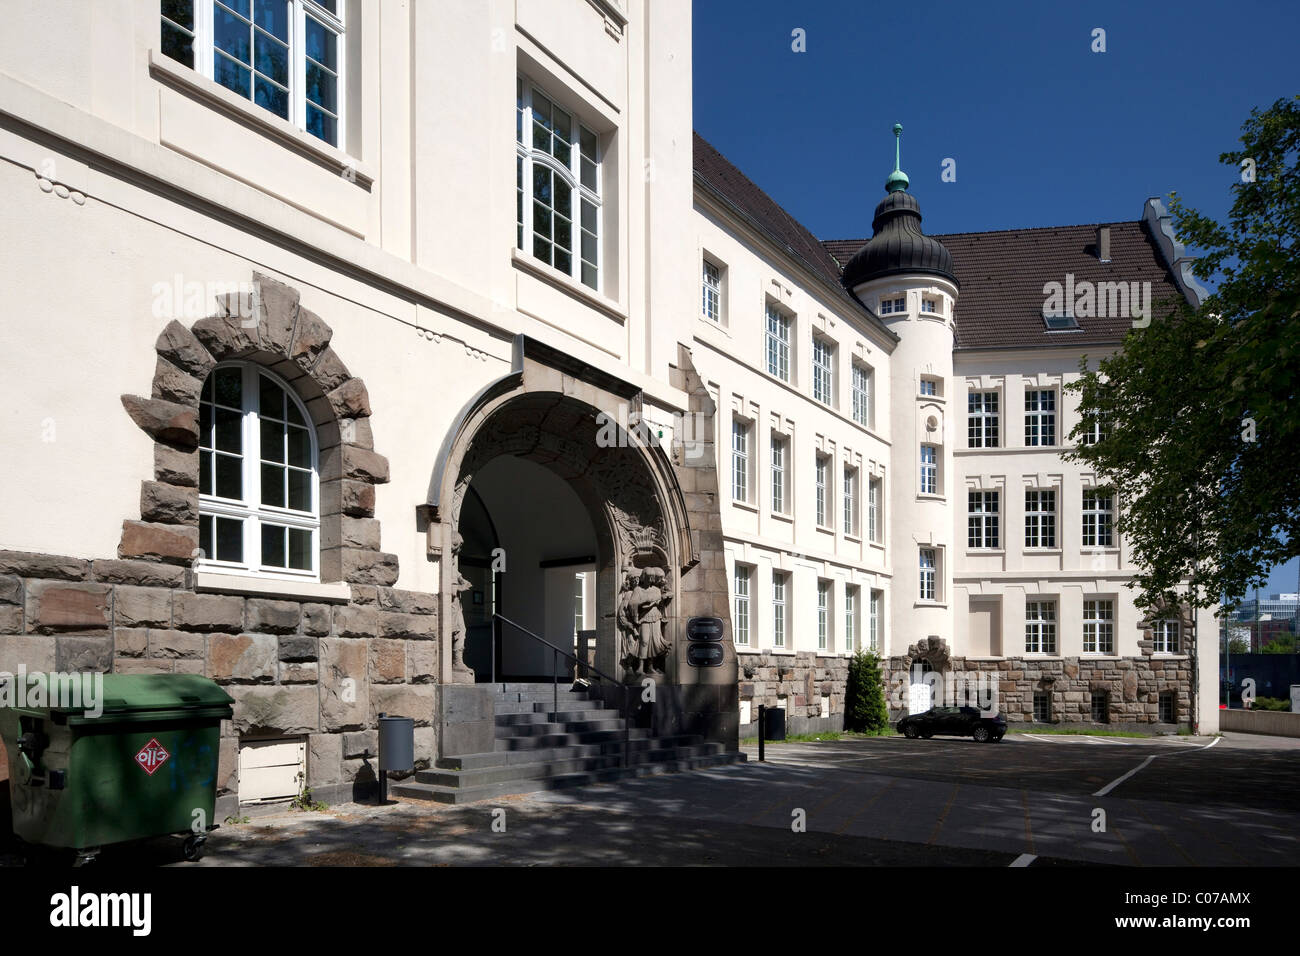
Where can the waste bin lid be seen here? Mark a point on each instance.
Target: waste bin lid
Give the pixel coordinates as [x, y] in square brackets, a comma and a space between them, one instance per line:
[128, 693]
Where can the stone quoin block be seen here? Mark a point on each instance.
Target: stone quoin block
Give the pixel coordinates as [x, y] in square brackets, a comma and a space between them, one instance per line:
[142, 573]
[350, 400]
[174, 384]
[175, 466]
[165, 421]
[277, 313]
[26, 564]
[311, 336]
[179, 346]
[168, 504]
[159, 542]
[208, 612]
[54, 606]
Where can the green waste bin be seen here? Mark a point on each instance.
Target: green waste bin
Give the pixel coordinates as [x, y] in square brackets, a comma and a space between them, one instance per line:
[145, 766]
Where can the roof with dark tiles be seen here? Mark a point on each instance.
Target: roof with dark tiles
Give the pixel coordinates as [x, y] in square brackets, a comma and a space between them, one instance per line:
[1001, 273]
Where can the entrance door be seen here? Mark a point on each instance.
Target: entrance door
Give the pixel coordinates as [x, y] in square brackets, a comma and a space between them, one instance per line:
[919, 695]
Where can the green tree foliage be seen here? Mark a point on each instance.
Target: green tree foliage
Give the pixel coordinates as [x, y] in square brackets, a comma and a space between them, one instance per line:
[1283, 643]
[1203, 447]
[865, 709]
[1238, 645]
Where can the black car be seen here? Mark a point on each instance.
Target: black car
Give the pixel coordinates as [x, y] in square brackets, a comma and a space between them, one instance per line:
[956, 721]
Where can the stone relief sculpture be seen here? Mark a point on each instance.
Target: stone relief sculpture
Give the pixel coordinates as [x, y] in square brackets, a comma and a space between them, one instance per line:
[461, 674]
[642, 616]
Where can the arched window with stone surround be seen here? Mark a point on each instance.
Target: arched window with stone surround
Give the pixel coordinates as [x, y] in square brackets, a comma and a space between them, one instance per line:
[259, 485]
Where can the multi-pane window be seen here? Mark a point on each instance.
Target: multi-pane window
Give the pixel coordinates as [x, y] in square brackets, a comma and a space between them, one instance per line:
[982, 419]
[929, 305]
[284, 55]
[1040, 417]
[891, 306]
[557, 185]
[1040, 518]
[823, 615]
[778, 608]
[823, 370]
[982, 519]
[1166, 712]
[927, 569]
[258, 498]
[861, 389]
[1098, 429]
[1164, 637]
[1099, 627]
[778, 343]
[780, 452]
[739, 460]
[877, 599]
[850, 618]
[712, 289]
[1098, 520]
[874, 524]
[579, 602]
[929, 386]
[850, 500]
[1040, 627]
[929, 470]
[1042, 707]
[740, 612]
[1100, 707]
[823, 503]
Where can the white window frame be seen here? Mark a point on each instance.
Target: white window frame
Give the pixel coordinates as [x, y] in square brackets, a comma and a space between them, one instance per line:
[711, 290]
[248, 509]
[1097, 513]
[930, 305]
[1099, 626]
[893, 305]
[875, 526]
[1040, 627]
[741, 620]
[982, 419]
[780, 451]
[1040, 518]
[823, 614]
[527, 156]
[780, 588]
[982, 520]
[823, 510]
[861, 390]
[205, 56]
[929, 470]
[779, 327]
[850, 501]
[877, 601]
[741, 459]
[928, 569]
[1040, 418]
[823, 369]
[851, 592]
[1165, 637]
[928, 387]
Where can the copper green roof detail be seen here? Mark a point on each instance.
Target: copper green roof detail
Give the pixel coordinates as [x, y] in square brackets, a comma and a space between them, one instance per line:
[897, 179]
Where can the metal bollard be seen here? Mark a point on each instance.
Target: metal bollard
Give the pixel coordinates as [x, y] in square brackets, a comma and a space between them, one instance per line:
[762, 729]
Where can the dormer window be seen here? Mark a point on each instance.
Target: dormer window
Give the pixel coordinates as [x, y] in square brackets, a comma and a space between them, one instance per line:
[892, 306]
[1060, 321]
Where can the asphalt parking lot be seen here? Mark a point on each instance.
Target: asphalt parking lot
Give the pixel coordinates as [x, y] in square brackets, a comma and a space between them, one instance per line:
[1027, 801]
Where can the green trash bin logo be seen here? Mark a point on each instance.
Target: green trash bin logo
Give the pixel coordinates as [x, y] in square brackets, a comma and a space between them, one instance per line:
[151, 756]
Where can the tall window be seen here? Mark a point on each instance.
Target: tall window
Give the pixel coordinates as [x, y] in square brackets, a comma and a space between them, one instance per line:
[1100, 704]
[823, 505]
[929, 470]
[778, 343]
[982, 520]
[1164, 637]
[1040, 417]
[874, 524]
[1040, 518]
[927, 592]
[1040, 627]
[877, 600]
[823, 615]
[1097, 518]
[740, 613]
[823, 371]
[739, 460]
[284, 55]
[1099, 627]
[712, 287]
[982, 419]
[850, 500]
[579, 602]
[258, 488]
[861, 388]
[780, 447]
[778, 608]
[557, 185]
[1098, 429]
[850, 618]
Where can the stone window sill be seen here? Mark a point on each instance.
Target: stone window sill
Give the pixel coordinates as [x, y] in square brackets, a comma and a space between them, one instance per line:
[212, 581]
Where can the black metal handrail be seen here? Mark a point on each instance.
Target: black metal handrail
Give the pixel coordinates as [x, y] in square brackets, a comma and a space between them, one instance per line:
[555, 675]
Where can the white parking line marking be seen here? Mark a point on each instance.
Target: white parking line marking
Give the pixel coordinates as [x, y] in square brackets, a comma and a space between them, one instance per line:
[1115, 783]
[1024, 859]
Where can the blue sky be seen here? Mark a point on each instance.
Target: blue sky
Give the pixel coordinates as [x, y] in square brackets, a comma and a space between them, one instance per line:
[1043, 130]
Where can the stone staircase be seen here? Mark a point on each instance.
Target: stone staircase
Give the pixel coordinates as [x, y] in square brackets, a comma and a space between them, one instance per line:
[540, 747]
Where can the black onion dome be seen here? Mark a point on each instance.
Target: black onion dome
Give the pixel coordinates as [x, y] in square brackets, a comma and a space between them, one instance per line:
[897, 245]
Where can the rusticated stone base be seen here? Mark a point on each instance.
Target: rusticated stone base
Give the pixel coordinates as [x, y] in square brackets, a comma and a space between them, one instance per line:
[803, 679]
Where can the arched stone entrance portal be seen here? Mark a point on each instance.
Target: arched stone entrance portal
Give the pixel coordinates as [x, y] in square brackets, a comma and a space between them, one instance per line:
[539, 478]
